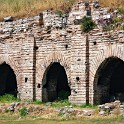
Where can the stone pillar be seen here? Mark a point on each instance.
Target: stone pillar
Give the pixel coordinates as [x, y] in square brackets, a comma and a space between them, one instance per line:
[78, 68]
[27, 64]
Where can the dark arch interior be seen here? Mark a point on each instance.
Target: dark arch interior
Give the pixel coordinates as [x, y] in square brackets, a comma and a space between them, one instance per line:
[8, 83]
[55, 83]
[109, 80]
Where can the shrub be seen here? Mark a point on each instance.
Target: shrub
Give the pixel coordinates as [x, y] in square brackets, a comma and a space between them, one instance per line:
[23, 111]
[87, 24]
[8, 98]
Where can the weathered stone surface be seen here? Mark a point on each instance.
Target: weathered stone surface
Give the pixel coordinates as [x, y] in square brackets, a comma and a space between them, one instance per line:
[113, 108]
[8, 19]
[102, 112]
[30, 46]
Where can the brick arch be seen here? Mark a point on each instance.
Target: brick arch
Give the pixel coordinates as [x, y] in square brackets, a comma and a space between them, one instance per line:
[51, 58]
[14, 65]
[112, 50]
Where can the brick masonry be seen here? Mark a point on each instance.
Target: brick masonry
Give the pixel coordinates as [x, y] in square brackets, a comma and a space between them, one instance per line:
[29, 48]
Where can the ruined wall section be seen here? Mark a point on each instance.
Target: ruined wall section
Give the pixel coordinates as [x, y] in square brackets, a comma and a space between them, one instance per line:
[78, 59]
[99, 44]
[66, 45]
[78, 12]
[27, 61]
[51, 46]
[10, 53]
[17, 49]
[29, 48]
[102, 45]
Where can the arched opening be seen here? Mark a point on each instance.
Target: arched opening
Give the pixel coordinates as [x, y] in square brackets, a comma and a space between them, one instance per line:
[55, 83]
[109, 81]
[8, 83]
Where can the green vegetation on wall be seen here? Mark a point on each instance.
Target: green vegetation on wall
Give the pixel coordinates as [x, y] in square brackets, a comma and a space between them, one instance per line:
[87, 24]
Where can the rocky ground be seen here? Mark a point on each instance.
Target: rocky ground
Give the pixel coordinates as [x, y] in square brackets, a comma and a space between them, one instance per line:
[47, 111]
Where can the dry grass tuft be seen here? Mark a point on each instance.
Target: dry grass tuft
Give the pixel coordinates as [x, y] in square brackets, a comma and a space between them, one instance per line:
[113, 4]
[27, 8]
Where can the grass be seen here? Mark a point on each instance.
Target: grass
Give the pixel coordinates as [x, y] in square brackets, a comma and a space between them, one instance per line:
[85, 120]
[55, 104]
[27, 8]
[88, 106]
[21, 118]
[23, 111]
[60, 103]
[113, 4]
[63, 103]
[37, 102]
[8, 98]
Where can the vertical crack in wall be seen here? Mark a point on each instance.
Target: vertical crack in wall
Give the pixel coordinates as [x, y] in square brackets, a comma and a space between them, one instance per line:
[87, 70]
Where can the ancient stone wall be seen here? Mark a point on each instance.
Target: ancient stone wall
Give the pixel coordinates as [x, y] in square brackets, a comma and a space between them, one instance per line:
[17, 51]
[103, 45]
[29, 48]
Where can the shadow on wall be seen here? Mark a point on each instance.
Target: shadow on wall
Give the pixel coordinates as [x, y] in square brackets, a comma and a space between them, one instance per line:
[55, 83]
[8, 83]
[109, 81]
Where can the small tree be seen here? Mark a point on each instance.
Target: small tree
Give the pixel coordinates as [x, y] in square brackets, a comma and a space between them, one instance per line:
[87, 24]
